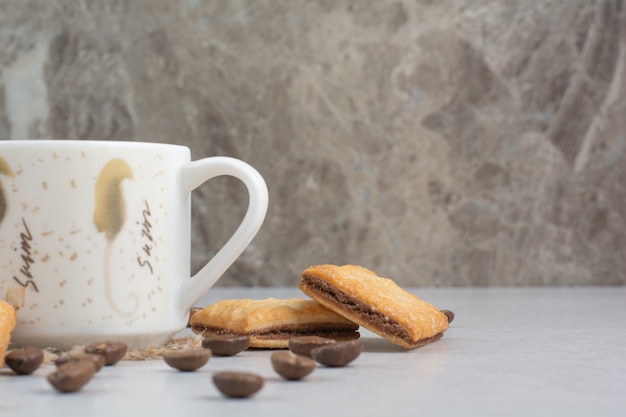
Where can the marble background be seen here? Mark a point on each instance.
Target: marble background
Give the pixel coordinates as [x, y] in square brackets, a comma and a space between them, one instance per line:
[443, 143]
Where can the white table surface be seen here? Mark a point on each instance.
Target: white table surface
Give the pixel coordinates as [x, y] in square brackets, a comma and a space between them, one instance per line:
[509, 352]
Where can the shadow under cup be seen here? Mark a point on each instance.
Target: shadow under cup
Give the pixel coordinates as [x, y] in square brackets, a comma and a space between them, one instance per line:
[95, 238]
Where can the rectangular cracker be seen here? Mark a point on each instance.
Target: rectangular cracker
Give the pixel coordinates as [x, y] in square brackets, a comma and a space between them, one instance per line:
[270, 323]
[7, 324]
[375, 303]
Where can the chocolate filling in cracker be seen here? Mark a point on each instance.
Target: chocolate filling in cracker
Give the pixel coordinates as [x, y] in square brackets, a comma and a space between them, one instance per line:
[285, 332]
[375, 303]
[373, 317]
[270, 323]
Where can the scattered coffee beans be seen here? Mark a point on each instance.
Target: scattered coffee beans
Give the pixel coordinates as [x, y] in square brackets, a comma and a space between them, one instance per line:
[291, 366]
[304, 344]
[187, 360]
[338, 354]
[98, 360]
[238, 384]
[72, 376]
[226, 345]
[24, 360]
[449, 314]
[113, 352]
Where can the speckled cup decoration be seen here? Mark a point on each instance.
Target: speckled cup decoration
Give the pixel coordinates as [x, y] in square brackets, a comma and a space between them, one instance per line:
[95, 238]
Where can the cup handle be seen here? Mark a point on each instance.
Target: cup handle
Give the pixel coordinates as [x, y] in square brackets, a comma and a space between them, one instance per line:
[192, 176]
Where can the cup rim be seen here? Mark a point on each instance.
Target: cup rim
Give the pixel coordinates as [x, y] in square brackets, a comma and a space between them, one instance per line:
[86, 143]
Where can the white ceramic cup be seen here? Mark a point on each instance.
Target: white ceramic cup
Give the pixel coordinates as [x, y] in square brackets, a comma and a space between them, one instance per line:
[95, 238]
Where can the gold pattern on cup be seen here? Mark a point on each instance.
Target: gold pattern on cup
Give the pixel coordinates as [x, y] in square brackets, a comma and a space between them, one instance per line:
[4, 201]
[109, 217]
[110, 212]
[15, 295]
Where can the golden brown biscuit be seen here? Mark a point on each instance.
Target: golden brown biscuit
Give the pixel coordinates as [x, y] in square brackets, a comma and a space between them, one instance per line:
[7, 324]
[375, 303]
[270, 323]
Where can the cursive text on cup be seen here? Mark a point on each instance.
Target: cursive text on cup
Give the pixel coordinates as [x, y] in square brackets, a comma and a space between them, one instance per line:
[146, 227]
[27, 260]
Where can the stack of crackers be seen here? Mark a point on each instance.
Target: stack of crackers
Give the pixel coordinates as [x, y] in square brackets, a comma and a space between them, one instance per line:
[343, 298]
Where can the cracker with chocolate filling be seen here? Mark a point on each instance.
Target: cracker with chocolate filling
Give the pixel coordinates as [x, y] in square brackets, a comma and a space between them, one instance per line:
[376, 303]
[7, 324]
[270, 323]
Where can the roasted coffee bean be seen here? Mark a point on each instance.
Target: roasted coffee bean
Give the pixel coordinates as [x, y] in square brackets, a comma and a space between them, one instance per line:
[338, 354]
[187, 360]
[226, 345]
[449, 314]
[304, 344]
[113, 352]
[72, 376]
[98, 360]
[291, 366]
[237, 384]
[24, 360]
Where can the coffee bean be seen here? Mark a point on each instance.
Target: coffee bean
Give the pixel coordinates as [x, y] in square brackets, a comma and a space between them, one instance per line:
[237, 384]
[338, 354]
[72, 376]
[449, 314]
[98, 360]
[226, 345]
[113, 352]
[304, 344]
[187, 360]
[291, 366]
[24, 360]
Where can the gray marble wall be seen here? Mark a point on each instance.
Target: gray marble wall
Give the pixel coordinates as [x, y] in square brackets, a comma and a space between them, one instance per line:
[452, 142]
